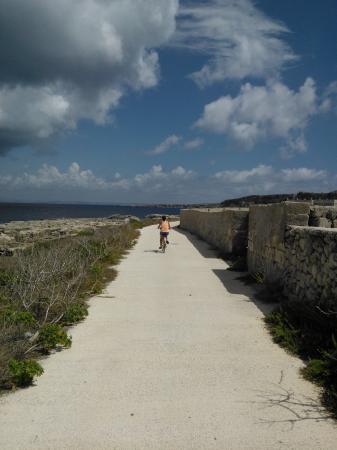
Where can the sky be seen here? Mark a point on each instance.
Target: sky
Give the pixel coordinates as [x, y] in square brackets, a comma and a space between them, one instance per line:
[166, 101]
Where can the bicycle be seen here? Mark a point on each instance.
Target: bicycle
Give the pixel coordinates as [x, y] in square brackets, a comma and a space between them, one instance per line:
[164, 244]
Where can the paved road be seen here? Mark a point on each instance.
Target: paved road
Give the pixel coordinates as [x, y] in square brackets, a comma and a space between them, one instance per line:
[175, 356]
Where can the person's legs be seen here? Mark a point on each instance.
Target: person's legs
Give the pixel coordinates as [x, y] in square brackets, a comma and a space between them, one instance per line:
[161, 240]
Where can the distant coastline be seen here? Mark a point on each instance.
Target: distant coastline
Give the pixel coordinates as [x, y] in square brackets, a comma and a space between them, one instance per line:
[39, 211]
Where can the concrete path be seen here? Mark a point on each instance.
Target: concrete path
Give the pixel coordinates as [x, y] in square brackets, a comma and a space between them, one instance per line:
[175, 356]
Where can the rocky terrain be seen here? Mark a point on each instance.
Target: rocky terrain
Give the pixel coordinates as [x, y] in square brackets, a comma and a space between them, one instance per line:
[20, 234]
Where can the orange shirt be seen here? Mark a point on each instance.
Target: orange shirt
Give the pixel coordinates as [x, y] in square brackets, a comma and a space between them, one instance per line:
[165, 226]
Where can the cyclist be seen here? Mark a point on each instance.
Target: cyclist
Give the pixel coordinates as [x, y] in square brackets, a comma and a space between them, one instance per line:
[164, 227]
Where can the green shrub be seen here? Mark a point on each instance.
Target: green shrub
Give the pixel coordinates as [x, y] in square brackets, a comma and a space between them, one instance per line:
[75, 313]
[258, 277]
[87, 232]
[23, 372]
[25, 318]
[113, 257]
[283, 333]
[53, 335]
[316, 371]
[6, 278]
[97, 269]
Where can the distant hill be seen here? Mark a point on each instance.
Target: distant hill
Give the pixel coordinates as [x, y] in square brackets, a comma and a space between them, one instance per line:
[276, 198]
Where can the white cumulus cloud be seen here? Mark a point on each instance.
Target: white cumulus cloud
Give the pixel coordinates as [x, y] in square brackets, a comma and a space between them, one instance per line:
[265, 179]
[260, 112]
[239, 40]
[161, 185]
[76, 177]
[157, 178]
[302, 174]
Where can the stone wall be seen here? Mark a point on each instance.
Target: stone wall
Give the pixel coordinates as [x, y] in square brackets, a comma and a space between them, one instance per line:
[281, 244]
[311, 264]
[226, 229]
[266, 236]
[323, 216]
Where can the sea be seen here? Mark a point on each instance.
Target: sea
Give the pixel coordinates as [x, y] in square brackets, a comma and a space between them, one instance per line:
[38, 211]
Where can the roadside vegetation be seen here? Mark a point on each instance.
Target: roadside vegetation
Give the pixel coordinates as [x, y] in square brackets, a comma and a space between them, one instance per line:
[307, 330]
[44, 289]
[310, 331]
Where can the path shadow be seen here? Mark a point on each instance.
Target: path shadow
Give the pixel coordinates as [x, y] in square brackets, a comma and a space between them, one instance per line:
[228, 278]
[203, 247]
[234, 285]
[295, 408]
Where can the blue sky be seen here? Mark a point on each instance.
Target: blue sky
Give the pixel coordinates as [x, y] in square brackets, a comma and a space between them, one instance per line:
[166, 101]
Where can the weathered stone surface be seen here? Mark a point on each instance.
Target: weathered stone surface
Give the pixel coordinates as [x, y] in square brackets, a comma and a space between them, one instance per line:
[268, 226]
[317, 273]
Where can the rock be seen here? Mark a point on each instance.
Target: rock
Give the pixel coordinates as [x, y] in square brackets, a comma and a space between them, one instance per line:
[123, 217]
[314, 271]
[4, 238]
[302, 244]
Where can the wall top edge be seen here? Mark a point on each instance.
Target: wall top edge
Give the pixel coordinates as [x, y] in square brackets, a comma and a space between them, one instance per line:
[215, 210]
[313, 230]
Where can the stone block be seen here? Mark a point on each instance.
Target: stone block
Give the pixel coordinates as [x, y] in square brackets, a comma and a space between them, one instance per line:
[297, 208]
[324, 222]
[298, 219]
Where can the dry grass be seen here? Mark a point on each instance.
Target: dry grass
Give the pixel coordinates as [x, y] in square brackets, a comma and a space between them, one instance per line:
[45, 287]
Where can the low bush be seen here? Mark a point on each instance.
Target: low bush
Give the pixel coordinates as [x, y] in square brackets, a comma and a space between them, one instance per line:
[51, 336]
[283, 333]
[75, 313]
[24, 318]
[317, 370]
[22, 373]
